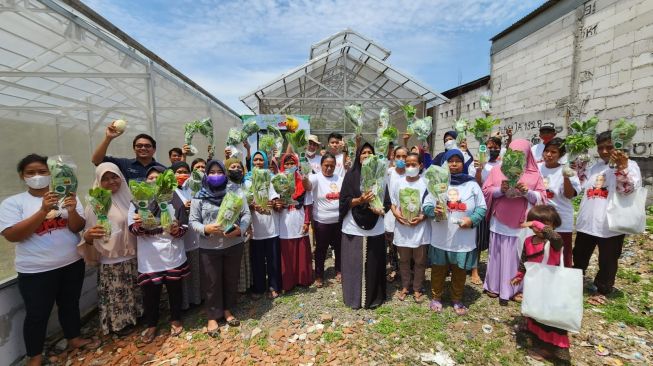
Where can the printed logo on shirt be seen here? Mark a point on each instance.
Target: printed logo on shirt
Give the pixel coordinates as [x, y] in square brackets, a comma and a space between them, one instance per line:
[549, 193]
[453, 203]
[334, 194]
[50, 225]
[598, 190]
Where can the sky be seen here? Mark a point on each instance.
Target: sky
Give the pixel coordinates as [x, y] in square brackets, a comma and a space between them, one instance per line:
[232, 47]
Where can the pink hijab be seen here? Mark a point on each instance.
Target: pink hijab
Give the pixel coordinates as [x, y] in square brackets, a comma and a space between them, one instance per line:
[512, 211]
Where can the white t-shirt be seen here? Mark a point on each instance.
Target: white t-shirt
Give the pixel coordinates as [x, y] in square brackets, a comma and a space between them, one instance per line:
[462, 200]
[487, 168]
[537, 151]
[340, 165]
[51, 246]
[191, 238]
[349, 227]
[160, 252]
[315, 162]
[326, 196]
[409, 236]
[600, 186]
[554, 184]
[389, 219]
[291, 222]
[265, 226]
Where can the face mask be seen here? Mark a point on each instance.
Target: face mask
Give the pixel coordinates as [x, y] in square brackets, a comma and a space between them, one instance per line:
[291, 170]
[38, 181]
[451, 144]
[494, 154]
[235, 175]
[545, 140]
[412, 172]
[310, 154]
[400, 164]
[216, 181]
[181, 178]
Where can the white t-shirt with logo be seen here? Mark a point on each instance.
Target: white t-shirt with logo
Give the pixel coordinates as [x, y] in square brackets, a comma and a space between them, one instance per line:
[409, 236]
[51, 246]
[265, 226]
[316, 163]
[555, 188]
[462, 200]
[598, 189]
[326, 197]
[389, 219]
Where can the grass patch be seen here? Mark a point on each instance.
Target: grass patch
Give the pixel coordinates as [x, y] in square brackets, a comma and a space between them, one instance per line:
[629, 275]
[616, 310]
[385, 326]
[199, 336]
[333, 336]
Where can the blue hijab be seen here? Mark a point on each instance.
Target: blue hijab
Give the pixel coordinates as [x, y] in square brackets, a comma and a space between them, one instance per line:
[213, 195]
[248, 176]
[460, 178]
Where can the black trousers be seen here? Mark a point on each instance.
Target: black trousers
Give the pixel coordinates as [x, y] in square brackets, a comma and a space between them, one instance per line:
[220, 270]
[609, 253]
[325, 235]
[40, 291]
[265, 256]
[152, 298]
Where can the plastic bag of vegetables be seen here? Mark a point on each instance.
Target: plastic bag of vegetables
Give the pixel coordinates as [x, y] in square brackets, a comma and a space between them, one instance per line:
[143, 193]
[421, 128]
[354, 114]
[229, 211]
[285, 186]
[235, 137]
[63, 177]
[481, 129]
[381, 146]
[195, 181]
[203, 127]
[460, 126]
[437, 184]
[99, 199]
[261, 188]
[384, 119]
[165, 185]
[297, 140]
[512, 166]
[409, 202]
[267, 143]
[622, 136]
[250, 128]
[409, 113]
[350, 142]
[581, 138]
[278, 138]
[373, 179]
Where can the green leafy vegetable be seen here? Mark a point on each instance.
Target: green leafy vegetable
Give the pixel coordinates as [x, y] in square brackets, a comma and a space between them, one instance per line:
[63, 180]
[250, 128]
[381, 146]
[384, 119]
[195, 181]
[623, 132]
[460, 126]
[482, 128]
[229, 210]
[391, 133]
[581, 139]
[354, 114]
[261, 187]
[351, 147]
[203, 127]
[165, 184]
[266, 143]
[409, 112]
[409, 202]
[278, 138]
[422, 128]
[99, 199]
[285, 186]
[297, 140]
[235, 137]
[512, 166]
[143, 193]
[437, 184]
[373, 178]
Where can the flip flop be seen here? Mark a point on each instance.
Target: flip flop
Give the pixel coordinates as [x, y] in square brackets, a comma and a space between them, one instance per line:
[419, 297]
[518, 297]
[597, 300]
[319, 283]
[491, 295]
[402, 295]
[459, 308]
[476, 281]
[435, 306]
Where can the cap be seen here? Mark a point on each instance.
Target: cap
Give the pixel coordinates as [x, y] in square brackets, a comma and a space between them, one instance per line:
[548, 126]
[314, 139]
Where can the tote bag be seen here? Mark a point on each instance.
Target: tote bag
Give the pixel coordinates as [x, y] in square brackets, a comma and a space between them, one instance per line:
[626, 213]
[553, 295]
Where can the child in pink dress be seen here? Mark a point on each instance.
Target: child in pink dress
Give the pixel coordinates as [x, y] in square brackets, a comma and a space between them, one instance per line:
[548, 342]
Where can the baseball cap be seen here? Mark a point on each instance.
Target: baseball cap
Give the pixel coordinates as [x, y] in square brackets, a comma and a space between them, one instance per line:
[314, 139]
[548, 126]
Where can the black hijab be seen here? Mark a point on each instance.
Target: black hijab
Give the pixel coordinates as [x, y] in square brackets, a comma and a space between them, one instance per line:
[351, 188]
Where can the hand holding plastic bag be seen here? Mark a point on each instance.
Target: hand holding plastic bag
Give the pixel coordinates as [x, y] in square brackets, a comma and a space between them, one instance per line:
[437, 184]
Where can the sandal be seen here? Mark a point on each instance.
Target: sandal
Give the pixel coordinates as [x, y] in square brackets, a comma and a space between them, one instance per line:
[518, 297]
[402, 295]
[149, 335]
[273, 294]
[491, 295]
[435, 306]
[597, 300]
[233, 322]
[319, 283]
[339, 277]
[391, 277]
[476, 280]
[419, 297]
[213, 333]
[459, 308]
[176, 329]
[90, 344]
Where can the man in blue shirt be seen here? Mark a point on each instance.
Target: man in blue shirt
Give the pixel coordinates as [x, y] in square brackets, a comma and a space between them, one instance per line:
[133, 169]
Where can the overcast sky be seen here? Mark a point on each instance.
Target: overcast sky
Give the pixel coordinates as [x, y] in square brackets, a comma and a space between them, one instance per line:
[232, 47]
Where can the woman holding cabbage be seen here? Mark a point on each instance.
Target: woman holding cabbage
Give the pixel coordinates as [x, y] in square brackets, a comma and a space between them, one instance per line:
[508, 199]
[119, 299]
[363, 243]
[221, 219]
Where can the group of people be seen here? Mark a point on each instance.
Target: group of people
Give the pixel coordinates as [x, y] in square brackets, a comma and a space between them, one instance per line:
[269, 250]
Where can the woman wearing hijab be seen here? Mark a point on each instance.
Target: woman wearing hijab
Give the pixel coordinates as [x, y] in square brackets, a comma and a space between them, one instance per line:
[220, 251]
[296, 259]
[453, 241]
[119, 299]
[161, 261]
[449, 139]
[363, 242]
[506, 213]
[265, 249]
[236, 183]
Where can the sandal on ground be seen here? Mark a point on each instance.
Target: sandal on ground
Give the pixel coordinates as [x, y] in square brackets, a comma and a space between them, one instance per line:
[273, 294]
[419, 297]
[339, 277]
[476, 280]
[233, 322]
[597, 300]
[503, 302]
[149, 335]
[176, 329]
[491, 295]
[518, 297]
[86, 344]
[213, 333]
[319, 283]
[402, 295]
[459, 308]
[435, 306]
[391, 276]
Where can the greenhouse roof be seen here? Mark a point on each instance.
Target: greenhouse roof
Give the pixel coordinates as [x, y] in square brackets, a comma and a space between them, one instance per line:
[343, 69]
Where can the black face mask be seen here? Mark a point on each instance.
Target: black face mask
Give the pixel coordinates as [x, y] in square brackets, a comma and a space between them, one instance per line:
[494, 154]
[235, 175]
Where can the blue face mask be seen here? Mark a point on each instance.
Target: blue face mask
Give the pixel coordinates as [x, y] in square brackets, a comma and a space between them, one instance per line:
[401, 164]
[291, 170]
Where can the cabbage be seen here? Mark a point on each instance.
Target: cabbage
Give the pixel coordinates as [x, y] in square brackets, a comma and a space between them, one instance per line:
[422, 128]
[354, 114]
[284, 184]
[409, 113]
[460, 126]
[512, 166]
[250, 128]
[623, 133]
[260, 188]
[229, 210]
[437, 184]
[373, 174]
[235, 137]
[409, 202]
[266, 143]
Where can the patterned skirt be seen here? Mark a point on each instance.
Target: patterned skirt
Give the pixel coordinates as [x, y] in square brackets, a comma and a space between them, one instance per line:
[190, 285]
[245, 281]
[119, 299]
[159, 278]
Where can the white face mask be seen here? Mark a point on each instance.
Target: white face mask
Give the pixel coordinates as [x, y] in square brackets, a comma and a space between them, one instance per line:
[412, 172]
[451, 144]
[38, 181]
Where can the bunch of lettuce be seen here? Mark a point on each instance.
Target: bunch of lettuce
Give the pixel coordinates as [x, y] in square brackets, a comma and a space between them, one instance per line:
[373, 174]
[385, 134]
[384, 119]
[482, 128]
[437, 184]
[581, 139]
[203, 127]
[460, 126]
[623, 133]
[297, 140]
[229, 211]
[63, 179]
[250, 128]
[266, 143]
[99, 199]
[409, 202]
[512, 166]
[354, 114]
[351, 147]
[409, 113]
[278, 138]
[381, 146]
[143, 193]
[165, 184]
[284, 184]
[421, 128]
[235, 137]
[195, 181]
[261, 187]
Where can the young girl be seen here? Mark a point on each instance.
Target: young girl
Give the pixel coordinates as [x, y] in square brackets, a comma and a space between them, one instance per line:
[395, 173]
[549, 342]
[410, 236]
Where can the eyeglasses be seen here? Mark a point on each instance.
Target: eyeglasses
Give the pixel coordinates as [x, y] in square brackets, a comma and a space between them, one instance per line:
[143, 146]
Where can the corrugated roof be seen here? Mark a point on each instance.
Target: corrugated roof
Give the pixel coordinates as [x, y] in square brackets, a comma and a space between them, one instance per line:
[525, 19]
[461, 89]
